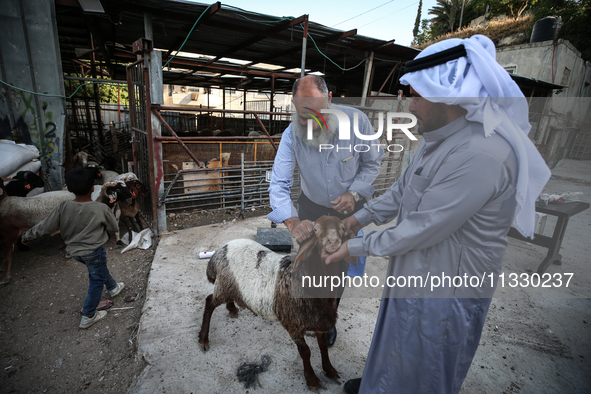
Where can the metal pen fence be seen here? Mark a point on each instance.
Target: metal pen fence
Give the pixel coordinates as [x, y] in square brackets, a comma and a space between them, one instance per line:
[244, 186]
[243, 170]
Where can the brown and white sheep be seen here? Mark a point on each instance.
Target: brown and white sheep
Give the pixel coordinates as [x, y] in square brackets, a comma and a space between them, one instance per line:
[82, 159]
[253, 277]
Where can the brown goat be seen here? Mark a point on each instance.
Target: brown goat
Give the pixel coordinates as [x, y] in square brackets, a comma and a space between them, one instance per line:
[131, 212]
[270, 285]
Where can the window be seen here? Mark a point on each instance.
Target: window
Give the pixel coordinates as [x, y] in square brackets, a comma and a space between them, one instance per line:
[511, 69]
[565, 77]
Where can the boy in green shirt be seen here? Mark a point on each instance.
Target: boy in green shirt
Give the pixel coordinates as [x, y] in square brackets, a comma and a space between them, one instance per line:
[83, 225]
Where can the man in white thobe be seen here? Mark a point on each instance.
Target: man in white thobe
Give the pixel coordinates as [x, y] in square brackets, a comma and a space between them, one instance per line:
[474, 173]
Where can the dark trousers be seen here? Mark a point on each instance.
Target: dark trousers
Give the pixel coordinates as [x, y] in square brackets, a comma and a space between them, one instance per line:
[98, 277]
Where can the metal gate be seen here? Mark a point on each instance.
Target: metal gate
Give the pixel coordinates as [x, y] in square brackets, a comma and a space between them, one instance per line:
[139, 113]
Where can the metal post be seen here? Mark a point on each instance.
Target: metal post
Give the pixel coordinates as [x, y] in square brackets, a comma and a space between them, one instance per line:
[462, 14]
[304, 42]
[242, 183]
[368, 67]
[152, 166]
[271, 104]
[223, 106]
[97, 101]
[132, 120]
[244, 116]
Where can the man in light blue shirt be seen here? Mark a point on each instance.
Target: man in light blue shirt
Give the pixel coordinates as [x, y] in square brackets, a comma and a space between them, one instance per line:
[336, 174]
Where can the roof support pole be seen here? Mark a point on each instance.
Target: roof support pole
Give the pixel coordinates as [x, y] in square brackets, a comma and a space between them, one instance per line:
[97, 100]
[154, 96]
[368, 68]
[244, 108]
[271, 104]
[304, 41]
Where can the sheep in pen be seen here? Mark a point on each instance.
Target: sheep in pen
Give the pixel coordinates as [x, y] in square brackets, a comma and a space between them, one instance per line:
[208, 187]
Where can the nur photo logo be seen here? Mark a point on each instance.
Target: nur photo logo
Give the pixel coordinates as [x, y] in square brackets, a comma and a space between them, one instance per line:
[345, 128]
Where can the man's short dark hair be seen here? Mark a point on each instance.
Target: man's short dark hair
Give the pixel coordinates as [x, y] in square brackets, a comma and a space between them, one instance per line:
[318, 81]
[79, 181]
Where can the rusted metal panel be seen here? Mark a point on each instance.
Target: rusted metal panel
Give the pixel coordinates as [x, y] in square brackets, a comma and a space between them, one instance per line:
[142, 45]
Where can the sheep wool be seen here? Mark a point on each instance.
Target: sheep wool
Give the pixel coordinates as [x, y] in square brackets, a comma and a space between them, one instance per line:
[32, 210]
[254, 269]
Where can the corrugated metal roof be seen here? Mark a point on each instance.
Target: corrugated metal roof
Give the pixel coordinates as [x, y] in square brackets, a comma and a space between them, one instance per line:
[222, 33]
[537, 83]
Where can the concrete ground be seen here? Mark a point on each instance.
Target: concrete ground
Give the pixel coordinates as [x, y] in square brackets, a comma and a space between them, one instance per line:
[535, 340]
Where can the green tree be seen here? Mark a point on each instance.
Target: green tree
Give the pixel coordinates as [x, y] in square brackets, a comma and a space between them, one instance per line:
[446, 14]
[510, 8]
[472, 10]
[415, 31]
[425, 34]
[108, 92]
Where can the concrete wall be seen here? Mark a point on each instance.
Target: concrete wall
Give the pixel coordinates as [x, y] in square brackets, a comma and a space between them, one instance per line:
[30, 60]
[567, 110]
[110, 113]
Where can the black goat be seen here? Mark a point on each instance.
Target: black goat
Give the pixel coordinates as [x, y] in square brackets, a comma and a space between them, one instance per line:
[23, 182]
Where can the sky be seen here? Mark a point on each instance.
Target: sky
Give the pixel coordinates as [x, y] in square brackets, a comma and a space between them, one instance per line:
[381, 19]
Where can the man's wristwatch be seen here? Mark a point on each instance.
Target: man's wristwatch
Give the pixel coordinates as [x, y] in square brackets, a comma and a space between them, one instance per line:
[355, 195]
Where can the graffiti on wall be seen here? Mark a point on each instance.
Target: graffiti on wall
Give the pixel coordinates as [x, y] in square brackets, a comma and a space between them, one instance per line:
[21, 126]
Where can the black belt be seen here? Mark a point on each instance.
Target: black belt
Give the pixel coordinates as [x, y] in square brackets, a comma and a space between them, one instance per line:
[309, 210]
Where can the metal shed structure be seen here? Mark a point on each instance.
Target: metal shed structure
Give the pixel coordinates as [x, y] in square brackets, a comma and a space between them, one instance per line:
[150, 43]
[269, 47]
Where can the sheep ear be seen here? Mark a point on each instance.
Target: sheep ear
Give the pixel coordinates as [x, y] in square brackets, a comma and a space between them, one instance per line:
[305, 251]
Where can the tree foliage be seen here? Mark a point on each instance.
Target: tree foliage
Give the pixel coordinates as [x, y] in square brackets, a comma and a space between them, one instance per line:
[425, 33]
[108, 93]
[446, 14]
[415, 31]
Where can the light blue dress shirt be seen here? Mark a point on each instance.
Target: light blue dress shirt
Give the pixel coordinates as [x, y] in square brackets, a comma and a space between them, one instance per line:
[325, 174]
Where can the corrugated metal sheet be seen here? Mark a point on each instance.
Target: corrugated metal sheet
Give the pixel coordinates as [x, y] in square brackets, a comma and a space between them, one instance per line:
[226, 33]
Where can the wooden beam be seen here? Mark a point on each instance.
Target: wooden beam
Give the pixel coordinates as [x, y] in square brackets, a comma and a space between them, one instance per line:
[179, 61]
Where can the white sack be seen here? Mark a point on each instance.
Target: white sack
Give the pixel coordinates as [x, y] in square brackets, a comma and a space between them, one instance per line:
[13, 156]
[33, 166]
[142, 240]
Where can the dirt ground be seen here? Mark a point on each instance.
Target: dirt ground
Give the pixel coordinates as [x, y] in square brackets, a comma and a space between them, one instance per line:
[42, 350]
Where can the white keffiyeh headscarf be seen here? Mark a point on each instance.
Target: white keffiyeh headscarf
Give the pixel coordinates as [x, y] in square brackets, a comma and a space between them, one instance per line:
[482, 87]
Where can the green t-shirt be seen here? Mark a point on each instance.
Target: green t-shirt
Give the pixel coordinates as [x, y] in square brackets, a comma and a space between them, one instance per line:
[83, 226]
